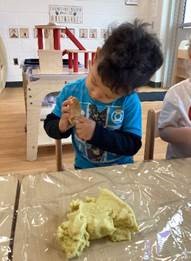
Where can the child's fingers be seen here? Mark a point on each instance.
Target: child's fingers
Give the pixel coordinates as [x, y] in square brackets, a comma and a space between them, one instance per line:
[80, 119]
[79, 128]
[66, 102]
[65, 108]
[79, 123]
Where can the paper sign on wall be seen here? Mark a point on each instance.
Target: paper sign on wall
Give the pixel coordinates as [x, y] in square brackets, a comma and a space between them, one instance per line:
[62, 14]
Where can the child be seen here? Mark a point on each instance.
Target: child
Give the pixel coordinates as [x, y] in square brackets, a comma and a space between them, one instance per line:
[175, 119]
[109, 132]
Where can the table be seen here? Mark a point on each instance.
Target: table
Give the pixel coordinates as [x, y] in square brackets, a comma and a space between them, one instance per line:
[36, 87]
[8, 189]
[158, 191]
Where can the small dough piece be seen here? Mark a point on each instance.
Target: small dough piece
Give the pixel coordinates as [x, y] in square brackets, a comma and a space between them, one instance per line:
[75, 109]
[95, 218]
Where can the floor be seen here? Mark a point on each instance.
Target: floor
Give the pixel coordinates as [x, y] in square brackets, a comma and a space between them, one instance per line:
[13, 137]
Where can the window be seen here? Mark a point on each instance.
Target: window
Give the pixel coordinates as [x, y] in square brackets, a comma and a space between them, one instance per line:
[187, 14]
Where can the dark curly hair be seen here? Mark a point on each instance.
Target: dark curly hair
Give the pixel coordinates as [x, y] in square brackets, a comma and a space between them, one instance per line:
[129, 57]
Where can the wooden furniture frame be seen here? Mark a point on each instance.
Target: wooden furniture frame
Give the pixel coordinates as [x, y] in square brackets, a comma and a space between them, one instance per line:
[181, 70]
[36, 87]
[151, 133]
[59, 162]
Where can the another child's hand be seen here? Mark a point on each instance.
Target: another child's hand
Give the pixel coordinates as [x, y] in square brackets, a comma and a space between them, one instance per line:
[64, 120]
[85, 128]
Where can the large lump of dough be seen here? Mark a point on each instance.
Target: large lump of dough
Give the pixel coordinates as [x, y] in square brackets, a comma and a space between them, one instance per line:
[95, 218]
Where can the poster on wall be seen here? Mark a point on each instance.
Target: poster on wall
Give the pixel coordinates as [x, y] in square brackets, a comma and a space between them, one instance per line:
[13, 33]
[83, 33]
[65, 14]
[93, 33]
[104, 33]
[24, 32]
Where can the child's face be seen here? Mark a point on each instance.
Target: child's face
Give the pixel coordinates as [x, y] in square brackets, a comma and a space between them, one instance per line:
[98, 90]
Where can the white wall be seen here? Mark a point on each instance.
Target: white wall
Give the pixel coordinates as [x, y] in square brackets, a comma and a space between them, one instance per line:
[21, 13]
[162, 14]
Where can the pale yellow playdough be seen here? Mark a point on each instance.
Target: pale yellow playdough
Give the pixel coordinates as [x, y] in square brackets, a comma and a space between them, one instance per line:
[94, 218]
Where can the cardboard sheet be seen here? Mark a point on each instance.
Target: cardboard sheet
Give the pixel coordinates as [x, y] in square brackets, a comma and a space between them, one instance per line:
[159, 193]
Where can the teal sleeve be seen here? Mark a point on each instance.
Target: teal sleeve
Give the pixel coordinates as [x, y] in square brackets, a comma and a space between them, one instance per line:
[133, 115]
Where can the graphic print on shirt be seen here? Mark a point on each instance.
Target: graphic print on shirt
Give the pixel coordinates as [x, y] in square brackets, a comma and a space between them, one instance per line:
[111, 117]
[94, 153]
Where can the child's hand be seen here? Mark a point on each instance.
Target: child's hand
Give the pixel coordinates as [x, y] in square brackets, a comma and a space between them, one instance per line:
[85, 128]
[64, 123]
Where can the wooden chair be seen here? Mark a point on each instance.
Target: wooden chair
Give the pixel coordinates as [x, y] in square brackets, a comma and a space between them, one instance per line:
[151, 133]
[59, 163]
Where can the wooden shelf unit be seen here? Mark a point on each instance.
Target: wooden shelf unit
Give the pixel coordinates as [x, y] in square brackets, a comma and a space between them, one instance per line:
[181, 63]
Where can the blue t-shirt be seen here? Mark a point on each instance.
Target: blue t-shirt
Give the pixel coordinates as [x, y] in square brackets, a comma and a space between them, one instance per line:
[123, 113]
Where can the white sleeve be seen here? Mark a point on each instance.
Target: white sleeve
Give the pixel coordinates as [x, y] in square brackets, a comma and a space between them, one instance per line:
[169, 115]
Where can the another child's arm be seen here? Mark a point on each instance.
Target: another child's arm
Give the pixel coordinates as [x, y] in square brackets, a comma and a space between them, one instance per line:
[170, 124]
[176, 135]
